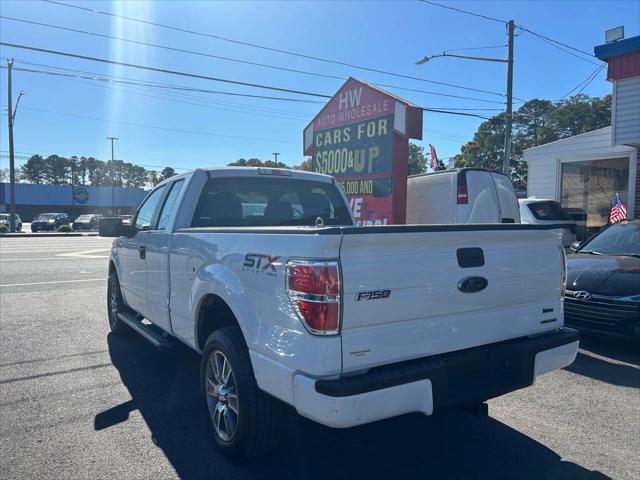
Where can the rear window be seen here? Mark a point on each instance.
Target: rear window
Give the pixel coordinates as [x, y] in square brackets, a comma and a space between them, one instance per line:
[548, 211]
[264, 201]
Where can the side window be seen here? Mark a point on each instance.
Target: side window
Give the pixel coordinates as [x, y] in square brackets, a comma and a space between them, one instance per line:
[169, 205]
[146, 210]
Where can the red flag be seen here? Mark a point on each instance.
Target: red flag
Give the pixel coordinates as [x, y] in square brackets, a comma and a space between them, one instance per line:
[434, 158]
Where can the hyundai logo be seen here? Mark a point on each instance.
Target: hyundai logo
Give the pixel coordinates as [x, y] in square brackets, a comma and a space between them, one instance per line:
[582, 295]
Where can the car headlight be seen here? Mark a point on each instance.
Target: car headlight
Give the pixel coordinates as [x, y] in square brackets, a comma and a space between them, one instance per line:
[50, 221]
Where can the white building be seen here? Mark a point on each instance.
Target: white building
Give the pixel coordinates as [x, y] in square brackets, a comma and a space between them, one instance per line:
[585, 172]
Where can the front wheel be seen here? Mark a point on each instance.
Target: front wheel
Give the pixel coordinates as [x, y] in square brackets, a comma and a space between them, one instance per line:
[243, 420]
[115, 306]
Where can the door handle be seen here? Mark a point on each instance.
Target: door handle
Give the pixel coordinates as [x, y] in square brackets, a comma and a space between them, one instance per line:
[142, 251]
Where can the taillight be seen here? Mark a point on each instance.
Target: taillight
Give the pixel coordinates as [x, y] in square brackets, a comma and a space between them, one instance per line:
[463, 195]
[314, 290]
[563, 287]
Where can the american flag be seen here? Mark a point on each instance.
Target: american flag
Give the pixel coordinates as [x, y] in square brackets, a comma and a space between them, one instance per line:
[618, 210]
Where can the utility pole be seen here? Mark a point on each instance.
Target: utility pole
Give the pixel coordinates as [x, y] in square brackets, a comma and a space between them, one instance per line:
[509, 111]
[507, 132]
[12, 168]
[275, 156]
[113, 180]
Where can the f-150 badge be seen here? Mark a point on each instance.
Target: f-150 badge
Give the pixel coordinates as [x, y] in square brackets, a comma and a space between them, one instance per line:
[373, 295]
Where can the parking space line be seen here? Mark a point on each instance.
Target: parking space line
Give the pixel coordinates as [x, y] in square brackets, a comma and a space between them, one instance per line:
[40, 259]
[52, 282]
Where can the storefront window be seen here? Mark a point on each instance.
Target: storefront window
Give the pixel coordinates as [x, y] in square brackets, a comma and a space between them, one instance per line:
[588, 188]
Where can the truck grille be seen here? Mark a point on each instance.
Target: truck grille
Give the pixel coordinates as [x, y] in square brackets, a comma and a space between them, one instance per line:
[598, 310]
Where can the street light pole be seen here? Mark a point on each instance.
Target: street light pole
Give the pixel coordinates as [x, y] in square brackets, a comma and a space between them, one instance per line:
[509, 110]
[12, 168]
[113, 195]
[11, 117]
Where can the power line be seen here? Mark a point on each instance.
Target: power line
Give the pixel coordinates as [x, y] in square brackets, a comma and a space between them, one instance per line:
[193, 52]
[433, 110]
[127, 81]
[455, 113]
[475, 48]
[290, 116]
[162, 70]
[549, 40]
[271, 49]
[441, 94]
[200, 103]
[555, 45]
[165, 47]
[155, 127]
[182, 87]
[584, 83]
[459, 10]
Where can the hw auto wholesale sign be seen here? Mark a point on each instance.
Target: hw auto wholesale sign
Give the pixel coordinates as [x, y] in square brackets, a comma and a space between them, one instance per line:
[361, 137]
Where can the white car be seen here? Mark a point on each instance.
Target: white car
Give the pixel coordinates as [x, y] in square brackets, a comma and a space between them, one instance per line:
[536, 211]
[464, 195]
[263, 273]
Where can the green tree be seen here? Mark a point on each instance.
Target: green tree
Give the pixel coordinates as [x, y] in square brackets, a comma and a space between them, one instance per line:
[135, 176]
[256, 162]
[536, 122]
[153, 178]
[34, 170]
[167, 172]
[417, 159]
[58, 170]
[96, 171]
[306, 165]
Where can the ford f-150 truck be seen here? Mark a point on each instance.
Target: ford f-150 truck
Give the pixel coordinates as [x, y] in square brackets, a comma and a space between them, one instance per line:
[263, 273]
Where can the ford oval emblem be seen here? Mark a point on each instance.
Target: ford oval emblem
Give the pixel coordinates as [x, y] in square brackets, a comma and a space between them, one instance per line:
[472, 284]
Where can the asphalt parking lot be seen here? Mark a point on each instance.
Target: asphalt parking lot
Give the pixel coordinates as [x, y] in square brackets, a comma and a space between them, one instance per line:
[77, 402]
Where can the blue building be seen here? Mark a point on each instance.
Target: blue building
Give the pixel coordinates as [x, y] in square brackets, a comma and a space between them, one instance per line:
[32, 199]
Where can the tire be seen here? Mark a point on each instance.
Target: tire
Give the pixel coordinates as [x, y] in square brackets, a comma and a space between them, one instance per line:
[115, 305]
[255, 431]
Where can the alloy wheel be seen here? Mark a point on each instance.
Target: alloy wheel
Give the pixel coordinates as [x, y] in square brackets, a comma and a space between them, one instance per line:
[222, 396]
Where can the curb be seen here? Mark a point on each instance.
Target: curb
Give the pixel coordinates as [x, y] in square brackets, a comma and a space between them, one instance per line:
[45, 234]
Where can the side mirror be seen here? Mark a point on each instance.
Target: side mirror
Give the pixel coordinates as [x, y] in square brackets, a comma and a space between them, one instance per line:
[574, 246]
[113, 227]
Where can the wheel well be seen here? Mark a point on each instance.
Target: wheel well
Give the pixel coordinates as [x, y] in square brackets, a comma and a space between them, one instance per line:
[213, 314]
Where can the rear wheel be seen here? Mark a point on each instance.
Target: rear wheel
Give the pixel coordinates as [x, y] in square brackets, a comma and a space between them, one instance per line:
[243, 420]
[115, 306]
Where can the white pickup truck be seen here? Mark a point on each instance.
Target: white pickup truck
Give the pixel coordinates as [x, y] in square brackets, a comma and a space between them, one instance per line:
[263, 273]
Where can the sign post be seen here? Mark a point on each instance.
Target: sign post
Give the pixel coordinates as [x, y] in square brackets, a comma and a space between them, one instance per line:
[361, 137]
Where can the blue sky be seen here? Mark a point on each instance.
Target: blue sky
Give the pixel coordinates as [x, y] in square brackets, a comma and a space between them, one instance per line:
[197, 129]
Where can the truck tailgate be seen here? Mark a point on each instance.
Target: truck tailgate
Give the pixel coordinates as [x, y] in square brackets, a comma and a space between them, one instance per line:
[403, 298]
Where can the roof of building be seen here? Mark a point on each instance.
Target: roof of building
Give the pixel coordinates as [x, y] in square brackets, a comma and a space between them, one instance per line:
[589, 144]
[617, 48]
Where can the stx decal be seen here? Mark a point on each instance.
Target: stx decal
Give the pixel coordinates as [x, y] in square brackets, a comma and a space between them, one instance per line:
[260, 262]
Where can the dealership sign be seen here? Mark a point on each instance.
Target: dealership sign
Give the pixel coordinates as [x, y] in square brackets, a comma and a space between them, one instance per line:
[361, 137]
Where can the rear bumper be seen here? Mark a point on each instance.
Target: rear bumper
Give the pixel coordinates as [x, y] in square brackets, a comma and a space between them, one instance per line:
[434, 384]
[45, 227]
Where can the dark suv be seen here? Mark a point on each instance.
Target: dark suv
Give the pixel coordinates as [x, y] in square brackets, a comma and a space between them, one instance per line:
[51, 222]
[87, 222]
